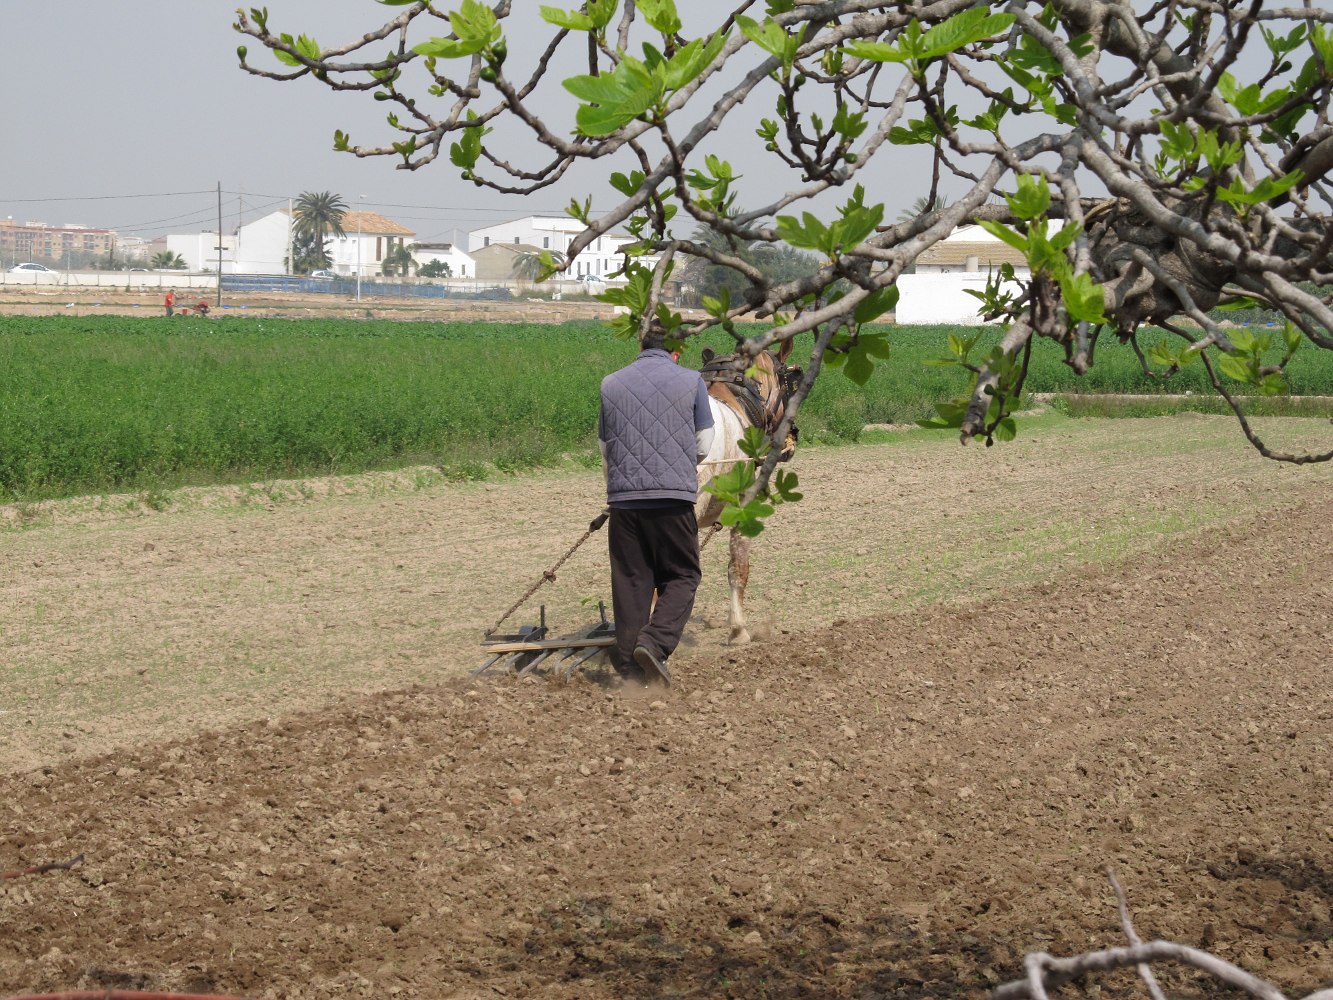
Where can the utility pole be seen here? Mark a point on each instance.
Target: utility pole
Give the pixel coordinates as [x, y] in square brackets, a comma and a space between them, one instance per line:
[291, 241]
[358, 251]
[219, 275]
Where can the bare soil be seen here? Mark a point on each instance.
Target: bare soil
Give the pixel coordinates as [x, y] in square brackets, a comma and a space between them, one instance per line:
[985, 676]
[50, 301]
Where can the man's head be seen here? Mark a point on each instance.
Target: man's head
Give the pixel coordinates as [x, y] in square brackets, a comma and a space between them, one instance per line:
[653, 340]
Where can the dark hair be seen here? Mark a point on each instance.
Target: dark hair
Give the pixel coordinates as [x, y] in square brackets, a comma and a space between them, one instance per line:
[654, 339]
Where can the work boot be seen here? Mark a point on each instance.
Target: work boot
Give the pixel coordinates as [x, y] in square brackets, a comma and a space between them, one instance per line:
[654, 666]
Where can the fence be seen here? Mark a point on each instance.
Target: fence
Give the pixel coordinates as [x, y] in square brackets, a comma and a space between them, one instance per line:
[343, 286]
[129, 281]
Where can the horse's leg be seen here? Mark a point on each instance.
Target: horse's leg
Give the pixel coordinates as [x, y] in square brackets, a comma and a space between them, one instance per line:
[738, 576]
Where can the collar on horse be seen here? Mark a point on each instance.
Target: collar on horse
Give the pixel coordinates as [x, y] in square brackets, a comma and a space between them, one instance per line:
[730, 370]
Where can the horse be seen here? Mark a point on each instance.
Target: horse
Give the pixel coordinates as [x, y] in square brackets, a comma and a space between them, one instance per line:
[741, 399]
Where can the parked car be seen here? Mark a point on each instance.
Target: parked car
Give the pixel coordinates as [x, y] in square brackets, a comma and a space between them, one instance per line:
[323, 275]
[29, 267]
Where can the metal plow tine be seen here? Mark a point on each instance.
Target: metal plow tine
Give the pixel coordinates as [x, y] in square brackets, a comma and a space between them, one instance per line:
[515, 661]
[588, 655]
[534, 663]
[487, 665]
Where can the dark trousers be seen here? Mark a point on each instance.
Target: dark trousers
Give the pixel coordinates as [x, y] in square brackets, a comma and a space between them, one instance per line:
[653, 551]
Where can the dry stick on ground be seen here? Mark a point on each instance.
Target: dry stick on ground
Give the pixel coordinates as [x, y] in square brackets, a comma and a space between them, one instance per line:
[121, 995]
[39, 869]
[1046, 972]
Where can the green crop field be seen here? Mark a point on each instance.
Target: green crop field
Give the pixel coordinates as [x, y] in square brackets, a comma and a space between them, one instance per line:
[98, 404]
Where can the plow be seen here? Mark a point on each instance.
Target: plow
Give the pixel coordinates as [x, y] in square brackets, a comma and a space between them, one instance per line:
[533, 649]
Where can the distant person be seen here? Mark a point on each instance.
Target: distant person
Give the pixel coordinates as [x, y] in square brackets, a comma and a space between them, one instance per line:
[654, 427]
[171, 303]
[202, 308]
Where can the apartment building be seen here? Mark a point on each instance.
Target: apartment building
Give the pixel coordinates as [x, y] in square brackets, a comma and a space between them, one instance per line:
[24, 241]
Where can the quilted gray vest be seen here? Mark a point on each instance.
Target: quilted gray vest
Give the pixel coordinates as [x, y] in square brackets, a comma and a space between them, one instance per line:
[647, 422]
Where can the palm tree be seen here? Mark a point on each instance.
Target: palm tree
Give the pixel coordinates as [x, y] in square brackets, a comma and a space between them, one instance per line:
[398, 259]
[778, 262]
[319, 215]
[921, 206]
[166, 260]
[527, 266]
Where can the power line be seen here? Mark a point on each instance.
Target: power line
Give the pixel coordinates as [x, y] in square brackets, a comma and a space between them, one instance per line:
[189, 217]
[426, 208]
[105, 197]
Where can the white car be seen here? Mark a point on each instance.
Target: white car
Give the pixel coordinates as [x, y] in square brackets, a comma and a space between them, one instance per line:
[30, 268]
[323, 275]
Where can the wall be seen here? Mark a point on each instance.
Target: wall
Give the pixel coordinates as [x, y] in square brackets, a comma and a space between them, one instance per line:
[941, 298]
[132, 281]
[261, 245]
[200, 250]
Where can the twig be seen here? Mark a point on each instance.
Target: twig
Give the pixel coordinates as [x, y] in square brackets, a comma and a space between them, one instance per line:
[121, 995]
[40, 869]
[1046, 971]
[1145, 970]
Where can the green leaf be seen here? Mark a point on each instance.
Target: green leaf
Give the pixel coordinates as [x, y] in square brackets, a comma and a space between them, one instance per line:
[475, 28]
[1006, 429]
[1291, 335]
[616, 99]
[859, 367]
[1160, 353]
[1273, 384]
[877, 51]
[1032, 198]
[661, 15]
[785, 485]
[772, 38]
[1002, 232]
[808, 233]
[686, 65]
[876, 304]
[919, 132]
[628, 185]
[305, 45]
[571, 20]
[1084, 298]
[754, 443]
[963, 29]
[1236, 368]
[467, 150]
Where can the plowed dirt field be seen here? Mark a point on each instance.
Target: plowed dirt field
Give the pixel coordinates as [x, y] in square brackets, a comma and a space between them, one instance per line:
[983, 677]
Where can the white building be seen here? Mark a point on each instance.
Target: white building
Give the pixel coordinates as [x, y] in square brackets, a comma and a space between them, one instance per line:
[599, 258]
[962, 262]
[370, 238]
[201, 251]
[264, 246]
[461, 265]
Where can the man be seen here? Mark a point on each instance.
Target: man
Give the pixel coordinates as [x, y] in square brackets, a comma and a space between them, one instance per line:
[654, 427]
[170, 302]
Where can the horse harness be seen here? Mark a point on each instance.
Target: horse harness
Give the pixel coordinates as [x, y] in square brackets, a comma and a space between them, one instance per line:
[744, 389]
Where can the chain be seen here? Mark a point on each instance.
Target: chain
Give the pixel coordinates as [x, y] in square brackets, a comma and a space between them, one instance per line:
[717, 526]
[549, 575]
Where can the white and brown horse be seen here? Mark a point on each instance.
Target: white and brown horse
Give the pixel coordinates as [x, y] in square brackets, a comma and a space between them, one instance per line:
[741, 398]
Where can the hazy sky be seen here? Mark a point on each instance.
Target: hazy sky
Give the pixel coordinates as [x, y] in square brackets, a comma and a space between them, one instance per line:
[113, 107]
[127, 114]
